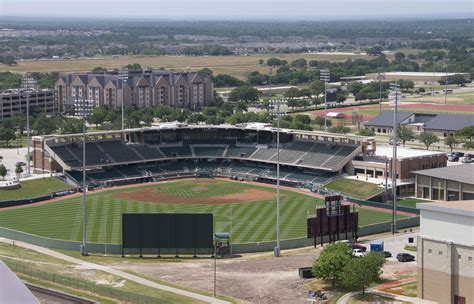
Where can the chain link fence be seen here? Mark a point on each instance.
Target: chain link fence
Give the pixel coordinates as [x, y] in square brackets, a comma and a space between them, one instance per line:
[80, 284]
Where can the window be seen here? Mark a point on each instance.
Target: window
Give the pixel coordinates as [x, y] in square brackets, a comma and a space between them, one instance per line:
[469, 258]
[440, 253]
[430, 250]
[459, 256]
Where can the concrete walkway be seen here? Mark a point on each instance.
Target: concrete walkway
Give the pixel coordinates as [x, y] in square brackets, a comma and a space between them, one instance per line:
[345, 298]
[116, 272]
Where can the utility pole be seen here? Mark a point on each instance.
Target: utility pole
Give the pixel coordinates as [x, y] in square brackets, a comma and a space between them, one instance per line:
[395, 98]
[325, 75]
[432, 81]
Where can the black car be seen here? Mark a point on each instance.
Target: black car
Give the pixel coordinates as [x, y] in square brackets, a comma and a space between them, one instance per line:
[387, 254]
[405, 257]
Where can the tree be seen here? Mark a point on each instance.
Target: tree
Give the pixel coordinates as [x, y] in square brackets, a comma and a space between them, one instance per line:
[331, 263]
[319, 121]
[450, 141]
[276, 62]
[399, 56]
[7, 135]
[375, 50]
[427, 139]
[339, 129]
[99, 70]
[3, 171]
[360, 273]
[18, 170]
[241, 106]
[18, 120]
[299, 63]
[134, 67]
[244, 93]
[71, 126]
[316, 87]
[366, 132]
[466, 133]
[44, 125]
[405, 134]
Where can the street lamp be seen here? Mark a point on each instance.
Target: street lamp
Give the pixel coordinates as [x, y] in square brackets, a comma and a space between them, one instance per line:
[123, 75]
[83, 106]
[395, 97]
[433, 80]
[325, 75]
[278, 108]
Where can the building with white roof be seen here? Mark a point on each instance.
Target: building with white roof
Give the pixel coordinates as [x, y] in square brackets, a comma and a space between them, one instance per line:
[417, 77]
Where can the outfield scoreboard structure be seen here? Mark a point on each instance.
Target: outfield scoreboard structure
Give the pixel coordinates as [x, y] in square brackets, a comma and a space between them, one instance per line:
[165, 233]
[333, 220]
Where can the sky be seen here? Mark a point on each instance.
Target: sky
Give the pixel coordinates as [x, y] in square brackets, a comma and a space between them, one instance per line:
[239, 9]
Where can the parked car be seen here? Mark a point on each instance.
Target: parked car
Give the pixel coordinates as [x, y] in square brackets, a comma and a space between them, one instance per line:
[387, 254]
[467, 160]
[453, 158]
[359, 246]
[358, 253]
[405, 257]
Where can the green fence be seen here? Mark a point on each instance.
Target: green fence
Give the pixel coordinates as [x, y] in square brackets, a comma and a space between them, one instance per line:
[80, 284]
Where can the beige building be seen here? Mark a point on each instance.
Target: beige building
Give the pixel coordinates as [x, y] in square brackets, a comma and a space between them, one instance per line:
[451, 183]
[144, 89]
[445, 252]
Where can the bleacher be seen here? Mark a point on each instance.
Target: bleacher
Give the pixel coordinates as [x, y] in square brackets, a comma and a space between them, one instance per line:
[239, 152]
[216, 151]
[264, 153]
[293, 152]
[341, 153]
[130, 171]
[67, 157]
[105, 175]
[147, 152]
[173, 167]
[118, 151]
[177, 151]
[94, 156]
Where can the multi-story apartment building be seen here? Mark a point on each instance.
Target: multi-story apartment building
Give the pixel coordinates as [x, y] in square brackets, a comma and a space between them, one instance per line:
[145, 89]
[15, 101]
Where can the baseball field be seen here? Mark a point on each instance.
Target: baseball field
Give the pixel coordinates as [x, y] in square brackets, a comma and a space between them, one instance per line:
[247, 210]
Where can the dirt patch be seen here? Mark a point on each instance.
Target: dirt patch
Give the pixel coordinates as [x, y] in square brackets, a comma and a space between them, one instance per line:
[204, 182]
[151, 195]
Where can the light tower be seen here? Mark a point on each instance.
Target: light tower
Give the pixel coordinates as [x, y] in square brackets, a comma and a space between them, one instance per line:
[380, 78]
[277, 109]
[325, 75]
[123, 75]
[28, 84]
[395, 97]
[83, 107]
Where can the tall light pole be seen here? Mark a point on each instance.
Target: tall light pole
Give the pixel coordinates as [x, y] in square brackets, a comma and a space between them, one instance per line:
[28, 83]
[325, 75]
[432, 81]
[83, 104]
[380, 77]
[446, 85]
[395, 97]
[279, 107]
[123, 75]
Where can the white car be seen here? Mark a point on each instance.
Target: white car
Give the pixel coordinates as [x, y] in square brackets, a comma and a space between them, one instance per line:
[358, 253]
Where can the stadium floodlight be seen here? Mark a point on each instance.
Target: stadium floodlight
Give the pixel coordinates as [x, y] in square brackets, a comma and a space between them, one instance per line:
[395, 98]
[123, 75]
[325, 75]
[84, 106]
[433, 80]
[277, 109]
[380, 78]
[28, 84]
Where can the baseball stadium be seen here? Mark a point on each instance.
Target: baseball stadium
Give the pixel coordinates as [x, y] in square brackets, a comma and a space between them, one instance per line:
[228, 171]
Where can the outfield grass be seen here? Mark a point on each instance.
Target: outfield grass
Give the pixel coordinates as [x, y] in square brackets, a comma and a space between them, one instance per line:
[34, 188]
[410, 202]
[354, 188]
[251, 222]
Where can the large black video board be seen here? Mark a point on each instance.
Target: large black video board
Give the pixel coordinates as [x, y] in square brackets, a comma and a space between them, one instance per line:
[179, 232]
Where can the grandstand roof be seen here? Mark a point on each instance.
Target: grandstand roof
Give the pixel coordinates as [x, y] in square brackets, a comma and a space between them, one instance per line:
[460, 173]
[402, 152]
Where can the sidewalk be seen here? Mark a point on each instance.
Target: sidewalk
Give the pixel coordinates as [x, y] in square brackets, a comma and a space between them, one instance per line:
[116, 272]
[345, 298]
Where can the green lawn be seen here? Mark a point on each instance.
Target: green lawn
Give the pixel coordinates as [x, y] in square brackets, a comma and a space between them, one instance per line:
[354, 188]
[251, 222]
[410, 202]
[34, 188]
